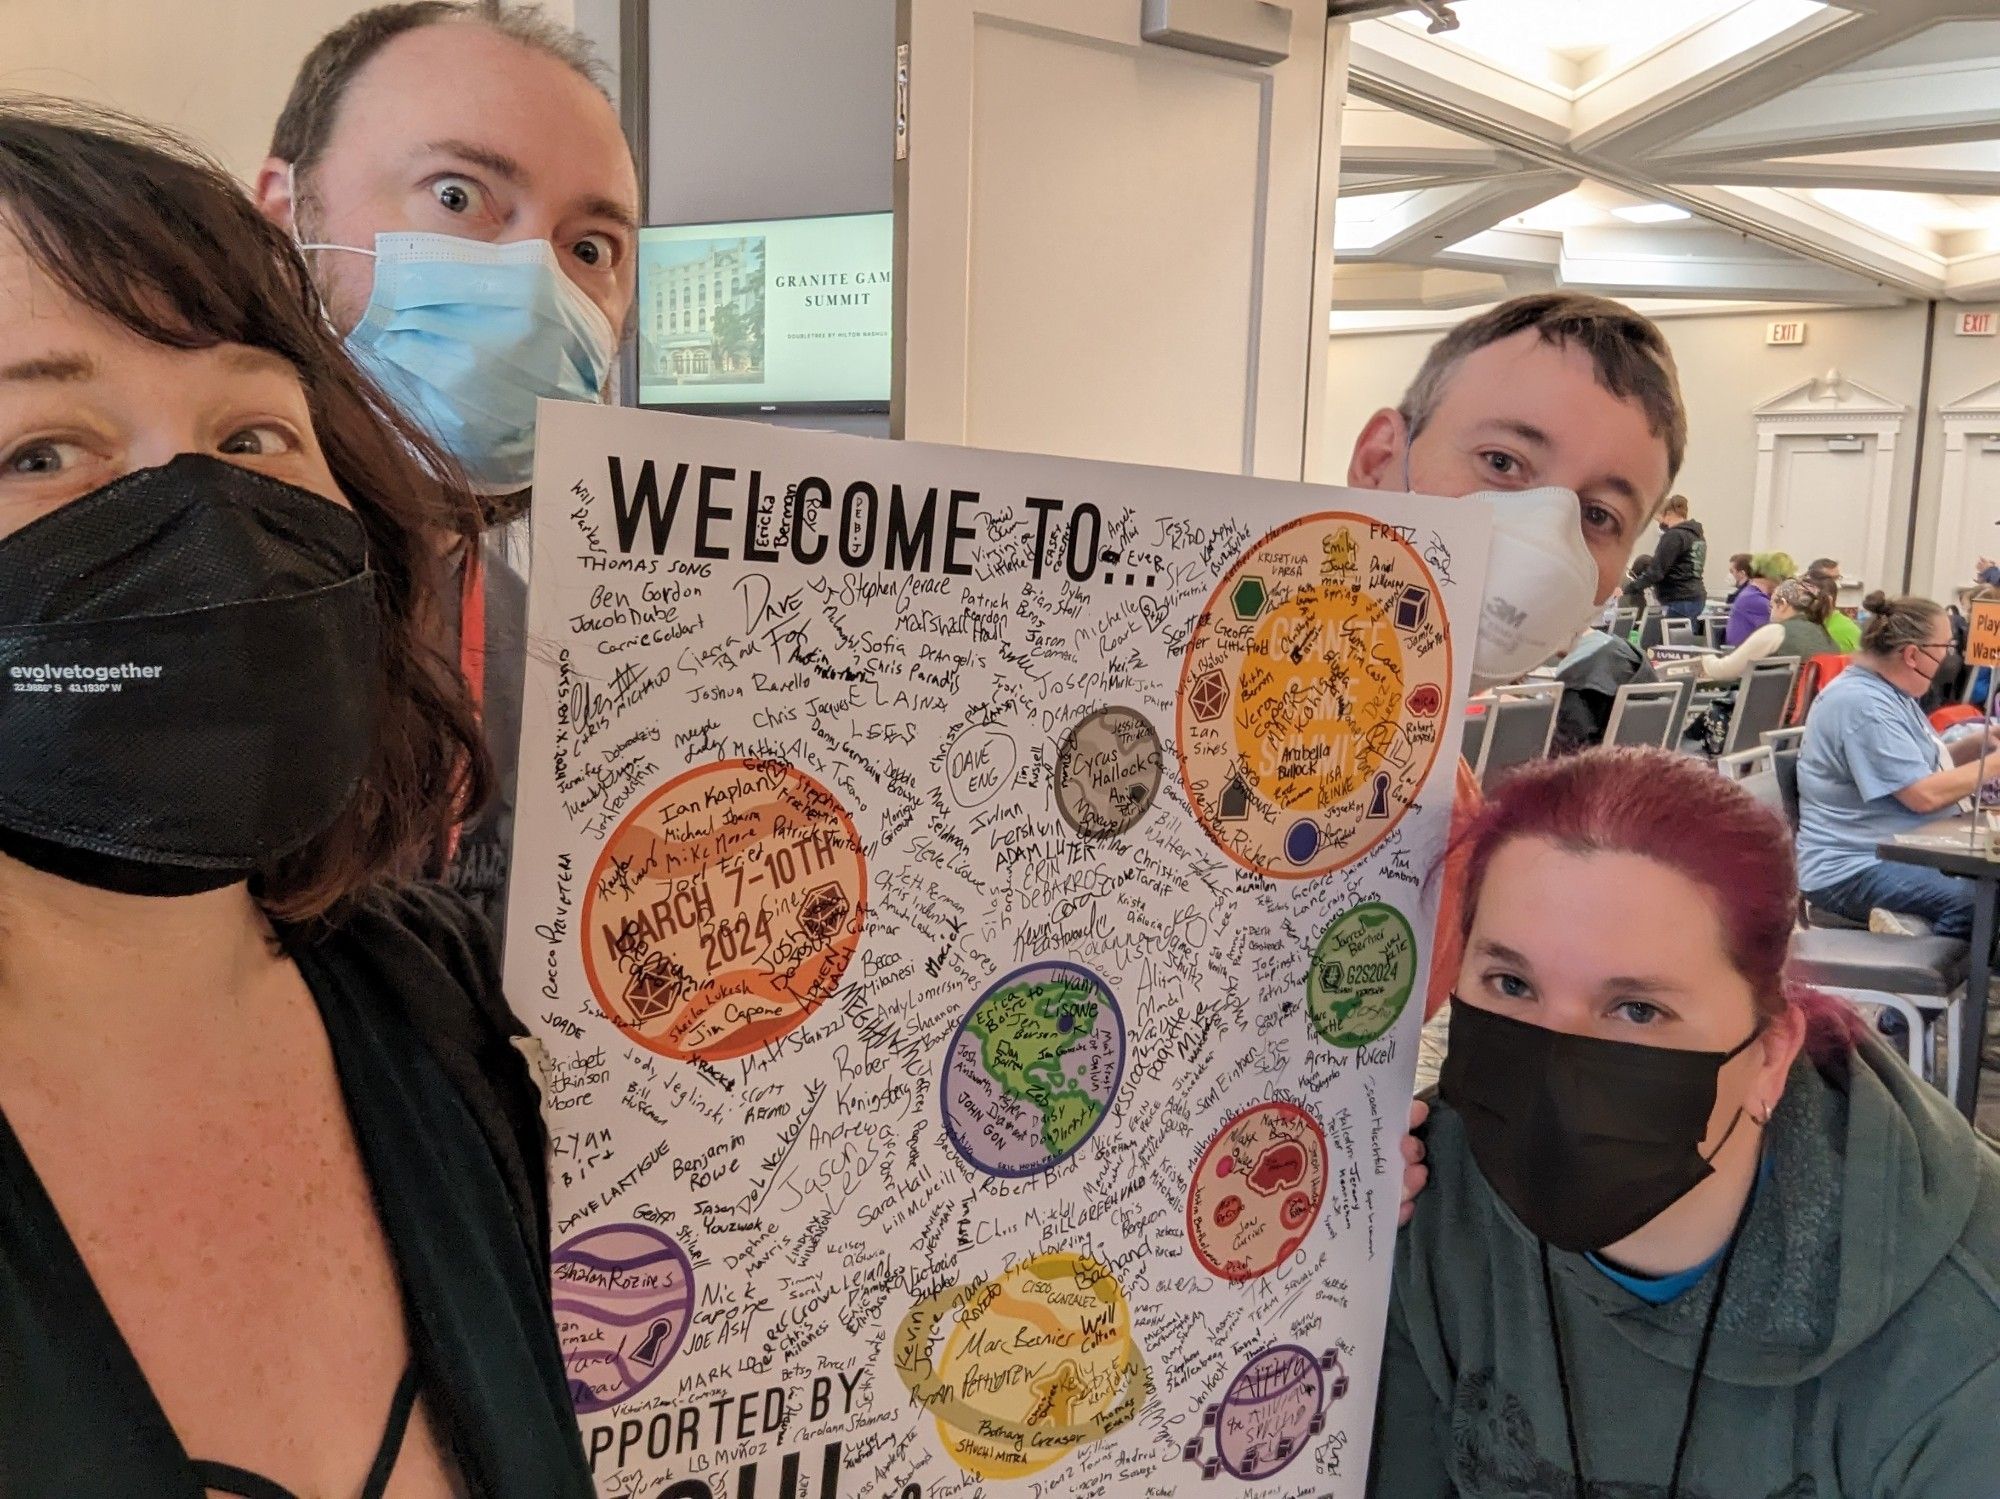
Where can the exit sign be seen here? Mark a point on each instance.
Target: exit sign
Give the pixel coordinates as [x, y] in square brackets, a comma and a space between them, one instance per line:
[1977, 325]
[1785, 333]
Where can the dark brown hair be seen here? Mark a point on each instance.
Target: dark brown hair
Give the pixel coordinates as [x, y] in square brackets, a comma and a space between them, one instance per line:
[1895, 623]
[1677, 504]
[1628, 352]
[1740, 562]
[137, 226]
[306, 122]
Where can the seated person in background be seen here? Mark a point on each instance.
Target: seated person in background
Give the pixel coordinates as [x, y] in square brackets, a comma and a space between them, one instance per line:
[1752, 607]
[1872, 767]
[1690, 1231]
[1869, 605]
[1632, 592]
[1591, 674]
[1988, 572]
[1739, 575]
[1796, 628]
[1825, 574]
[1674, 569]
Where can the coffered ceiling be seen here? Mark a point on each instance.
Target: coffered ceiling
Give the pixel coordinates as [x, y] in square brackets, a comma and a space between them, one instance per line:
[1732, 150]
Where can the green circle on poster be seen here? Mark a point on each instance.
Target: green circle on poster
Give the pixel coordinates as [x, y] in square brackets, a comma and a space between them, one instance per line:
[1362, 973]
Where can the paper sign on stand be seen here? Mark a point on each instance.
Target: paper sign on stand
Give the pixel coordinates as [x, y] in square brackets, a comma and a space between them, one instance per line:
[977, 909]
[1982, 648]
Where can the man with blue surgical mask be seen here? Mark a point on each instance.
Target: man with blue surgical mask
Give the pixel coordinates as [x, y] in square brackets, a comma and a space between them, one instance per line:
[467, 201]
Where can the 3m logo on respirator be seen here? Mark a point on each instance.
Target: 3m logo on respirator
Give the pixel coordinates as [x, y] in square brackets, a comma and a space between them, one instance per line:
[75, 678]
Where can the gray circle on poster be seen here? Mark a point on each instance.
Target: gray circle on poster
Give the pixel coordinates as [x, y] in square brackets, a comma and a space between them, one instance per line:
[1108, 772]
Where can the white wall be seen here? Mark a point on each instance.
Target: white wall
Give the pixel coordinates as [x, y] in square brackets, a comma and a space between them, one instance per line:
[216, 71]
[1959, 367]
[1726, 372]
[771, 108]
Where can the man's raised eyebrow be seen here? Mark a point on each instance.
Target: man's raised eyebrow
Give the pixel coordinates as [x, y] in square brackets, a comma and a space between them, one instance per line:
[65, 367]
[612, 209]
[499, 163]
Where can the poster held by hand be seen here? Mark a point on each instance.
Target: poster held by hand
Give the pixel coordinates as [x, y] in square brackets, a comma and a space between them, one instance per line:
[972, 903]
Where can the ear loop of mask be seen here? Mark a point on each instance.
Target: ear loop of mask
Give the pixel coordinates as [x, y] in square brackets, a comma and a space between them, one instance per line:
[292, 187]
[292, 190]
[1737, 1119]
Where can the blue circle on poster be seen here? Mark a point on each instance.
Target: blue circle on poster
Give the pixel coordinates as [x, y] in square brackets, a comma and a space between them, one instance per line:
[1302, 842]
[1032, 1069]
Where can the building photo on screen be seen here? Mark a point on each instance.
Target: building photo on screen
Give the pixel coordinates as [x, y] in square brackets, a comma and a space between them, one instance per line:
[771, 314]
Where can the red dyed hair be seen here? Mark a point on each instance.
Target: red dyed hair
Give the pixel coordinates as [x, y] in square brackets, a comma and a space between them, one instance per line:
[1676, 810]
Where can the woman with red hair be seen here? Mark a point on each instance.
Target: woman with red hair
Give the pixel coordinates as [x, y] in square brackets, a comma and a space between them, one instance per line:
[1691, 1232]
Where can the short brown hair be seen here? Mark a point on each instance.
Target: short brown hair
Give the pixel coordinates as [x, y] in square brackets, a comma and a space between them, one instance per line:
[1677, 504]
[139, 227]
[306, 122]
[1740, 562]
[1627, 350]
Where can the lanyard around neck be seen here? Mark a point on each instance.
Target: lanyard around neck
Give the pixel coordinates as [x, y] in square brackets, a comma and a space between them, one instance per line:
[1580, 1485]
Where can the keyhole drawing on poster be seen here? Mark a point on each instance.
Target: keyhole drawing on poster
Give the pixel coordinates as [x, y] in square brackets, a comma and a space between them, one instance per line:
[970, 904]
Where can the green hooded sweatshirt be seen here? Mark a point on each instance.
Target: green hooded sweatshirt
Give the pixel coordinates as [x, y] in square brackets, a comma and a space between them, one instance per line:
[1856, 1354]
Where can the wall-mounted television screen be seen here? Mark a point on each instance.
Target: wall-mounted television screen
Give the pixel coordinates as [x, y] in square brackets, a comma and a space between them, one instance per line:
[774, 314]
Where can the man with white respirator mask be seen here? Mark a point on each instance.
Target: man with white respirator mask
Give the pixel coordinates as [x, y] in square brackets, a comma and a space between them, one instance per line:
[1562, 414]
[467, 203]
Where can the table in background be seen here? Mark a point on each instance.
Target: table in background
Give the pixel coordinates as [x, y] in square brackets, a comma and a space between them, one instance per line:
[1945, 846]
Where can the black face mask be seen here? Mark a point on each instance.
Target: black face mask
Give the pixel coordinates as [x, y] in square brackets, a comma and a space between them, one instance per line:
[189, 665]
[1586, 1140]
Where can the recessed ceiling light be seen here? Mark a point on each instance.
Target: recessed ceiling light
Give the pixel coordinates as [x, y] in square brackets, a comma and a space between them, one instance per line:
[1652, 213]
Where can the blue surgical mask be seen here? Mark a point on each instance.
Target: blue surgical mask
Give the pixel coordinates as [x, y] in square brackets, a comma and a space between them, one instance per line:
[466, 336]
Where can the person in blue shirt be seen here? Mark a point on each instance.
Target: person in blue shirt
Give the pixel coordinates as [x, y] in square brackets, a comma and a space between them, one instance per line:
[1872, 767]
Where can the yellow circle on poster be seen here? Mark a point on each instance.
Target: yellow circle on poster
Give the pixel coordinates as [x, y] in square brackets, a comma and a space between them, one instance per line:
[1312, 695]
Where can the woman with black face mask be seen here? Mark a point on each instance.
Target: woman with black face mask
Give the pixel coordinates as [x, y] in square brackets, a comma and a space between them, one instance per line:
[272, 1196]
[1691, 1232]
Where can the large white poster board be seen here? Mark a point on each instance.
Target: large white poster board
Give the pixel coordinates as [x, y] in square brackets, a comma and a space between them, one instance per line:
[973, 905]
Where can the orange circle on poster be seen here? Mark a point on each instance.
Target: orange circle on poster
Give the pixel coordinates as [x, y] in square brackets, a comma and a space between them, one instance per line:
[1257, 1190]
[1311, 695]
[724, 910]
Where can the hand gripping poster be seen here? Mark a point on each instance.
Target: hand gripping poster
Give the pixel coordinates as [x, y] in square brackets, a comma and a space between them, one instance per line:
[976, 908]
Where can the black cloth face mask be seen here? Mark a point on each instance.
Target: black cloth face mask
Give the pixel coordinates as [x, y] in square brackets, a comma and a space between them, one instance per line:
[189, 667]
[1586, 1140]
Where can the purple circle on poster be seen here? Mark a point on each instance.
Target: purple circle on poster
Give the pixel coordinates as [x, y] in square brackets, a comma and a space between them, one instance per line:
[1271, 1408]
[1033, 1069]
[624, 1295]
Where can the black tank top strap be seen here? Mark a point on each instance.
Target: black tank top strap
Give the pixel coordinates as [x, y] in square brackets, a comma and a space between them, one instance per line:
[226, 1478]
[392, 1436]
